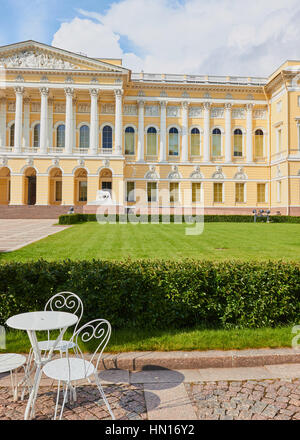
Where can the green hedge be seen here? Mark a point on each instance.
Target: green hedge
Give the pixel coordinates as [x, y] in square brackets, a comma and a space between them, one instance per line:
[160, 294]
[81, 218]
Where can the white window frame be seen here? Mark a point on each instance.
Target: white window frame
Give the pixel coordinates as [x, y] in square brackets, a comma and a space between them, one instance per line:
[179, 198]
[134, 139]
[156, 192]
[222, 141]
[179, 141]
[146, 133]
[200, 136]
[134, 192]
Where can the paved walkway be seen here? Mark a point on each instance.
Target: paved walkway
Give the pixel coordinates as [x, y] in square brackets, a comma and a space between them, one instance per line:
[14, 234]
[252, 393]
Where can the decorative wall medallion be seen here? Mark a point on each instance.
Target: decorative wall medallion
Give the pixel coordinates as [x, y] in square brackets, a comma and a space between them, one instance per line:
[106, 163]
[195, 112]
[141, 94]
[69, 80]
[207, 96]
[151, 174]
[152, 110]
[81, 162]
[173, 111]
[240, 175]
[279, 174]
[44, 79]
[163, 94]
[175, 173]
[130, 110]
[38, 59]
[108, 109]
[55, 162]
[94, 81]
[218, 174]
[29, 161]
[229, 96]
[185, 95]
[197, 173]
[20, 78]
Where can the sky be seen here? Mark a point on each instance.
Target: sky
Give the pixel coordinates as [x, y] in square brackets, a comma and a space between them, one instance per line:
[214, 37]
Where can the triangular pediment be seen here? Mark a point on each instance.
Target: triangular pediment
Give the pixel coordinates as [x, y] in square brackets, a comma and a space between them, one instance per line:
[38, 56]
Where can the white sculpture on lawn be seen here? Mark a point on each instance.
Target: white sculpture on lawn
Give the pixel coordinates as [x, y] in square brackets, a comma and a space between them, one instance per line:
[103, 198]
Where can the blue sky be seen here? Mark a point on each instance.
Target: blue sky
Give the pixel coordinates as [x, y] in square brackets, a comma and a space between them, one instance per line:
[222, 37]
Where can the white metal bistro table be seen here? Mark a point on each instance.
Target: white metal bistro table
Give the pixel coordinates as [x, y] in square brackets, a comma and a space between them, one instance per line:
[10, 362]
[40, 321]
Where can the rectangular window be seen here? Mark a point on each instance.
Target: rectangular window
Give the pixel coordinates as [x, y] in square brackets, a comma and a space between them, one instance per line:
[261, 193]
[58, 191]
[278, 192]
[130, 192]
[196, 192]
[152, 191]
[238, 145]
[129, 143]
[218, 192]
[82, 191]
[216, 145]
[279, 140]
[174, 192]
[151, 143]
[240, 192]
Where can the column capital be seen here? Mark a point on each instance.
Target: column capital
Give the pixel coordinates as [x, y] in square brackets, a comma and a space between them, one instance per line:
[94, 92]
[19, 90]
[206, 105]
[228, 106]
[249, 107]
[3, 100]
[118, 93]
[141, 102]
[163, 104]
[185, 105]
[27, 100]
[69, 91]
[44, 91]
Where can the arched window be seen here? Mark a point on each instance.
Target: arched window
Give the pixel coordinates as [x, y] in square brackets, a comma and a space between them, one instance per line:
[238, 143]
[129, 140]
[259, 143]
[216, 142]
[195, 142]
[60, 136]
[36, 136]
[173, 142]
[151, 141]
[84, 140]
[12, 135]
[107, 137]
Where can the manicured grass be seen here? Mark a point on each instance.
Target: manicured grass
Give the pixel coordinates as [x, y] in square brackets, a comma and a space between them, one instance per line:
[175, 340]
[219, 241]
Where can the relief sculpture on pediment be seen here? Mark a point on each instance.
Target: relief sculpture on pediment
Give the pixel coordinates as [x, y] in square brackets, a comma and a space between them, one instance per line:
[36, 59]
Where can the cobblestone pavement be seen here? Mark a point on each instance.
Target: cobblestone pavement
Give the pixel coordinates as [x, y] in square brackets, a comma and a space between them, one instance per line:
[275, 399]
[246, 400]
[127, 403]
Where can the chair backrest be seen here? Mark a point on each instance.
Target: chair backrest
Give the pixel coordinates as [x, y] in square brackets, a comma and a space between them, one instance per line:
[98, 329]
[66, 302]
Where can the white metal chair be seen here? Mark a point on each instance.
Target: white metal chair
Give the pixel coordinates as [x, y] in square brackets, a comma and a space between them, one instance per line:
[10, 362]
[62, 301]
[70, 369]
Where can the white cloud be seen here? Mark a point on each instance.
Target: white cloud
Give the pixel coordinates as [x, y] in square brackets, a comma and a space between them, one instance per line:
[195, 36]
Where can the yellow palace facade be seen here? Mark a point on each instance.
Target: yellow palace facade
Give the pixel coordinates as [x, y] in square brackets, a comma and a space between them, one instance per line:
[72, 125]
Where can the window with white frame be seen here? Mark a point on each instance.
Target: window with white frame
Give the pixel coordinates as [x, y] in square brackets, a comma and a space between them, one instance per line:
[60, 136]
[130, 192]
[261, 193]
[238, 143]
[279, 140]
[259, 143]
[129, 140]
[279, 191]
[151, 141]
[107, 137]
[196, 192]
[174, 192]
[216, 143]
[58, 190]
[12, 135]
[36, 136]
[152, 191]
[239, 192]
[195, 142]
[84, 137]
[173, 142]
[218, 192]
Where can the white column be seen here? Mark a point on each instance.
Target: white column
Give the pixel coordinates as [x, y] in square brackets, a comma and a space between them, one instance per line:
[141, 132]
[94, 122]
[3, 122]
[74, 124]
[118, 122]
[185, 128]
[44, 120]
[163, 131]
[206, 135]
[249, 140]
[69, 116]
[18, 119]
[26, 123]
[50, 124]
[228, 153]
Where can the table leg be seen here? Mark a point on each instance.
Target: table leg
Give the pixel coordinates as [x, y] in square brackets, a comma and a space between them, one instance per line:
[33, 393]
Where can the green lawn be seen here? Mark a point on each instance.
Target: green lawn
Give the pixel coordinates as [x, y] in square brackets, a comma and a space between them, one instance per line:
[174, 340]
[219, 241]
